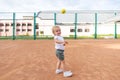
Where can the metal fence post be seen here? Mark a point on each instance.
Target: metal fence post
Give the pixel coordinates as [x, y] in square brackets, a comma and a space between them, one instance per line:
[34, 26]
[54, 18]
[75, 26]
[95, 35]
[115, 34]
[13, 26]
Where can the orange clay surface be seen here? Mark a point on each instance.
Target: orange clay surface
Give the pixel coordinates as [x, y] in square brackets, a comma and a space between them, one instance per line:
[36, 60]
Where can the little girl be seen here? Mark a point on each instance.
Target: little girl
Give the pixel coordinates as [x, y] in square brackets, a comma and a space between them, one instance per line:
[60, 46]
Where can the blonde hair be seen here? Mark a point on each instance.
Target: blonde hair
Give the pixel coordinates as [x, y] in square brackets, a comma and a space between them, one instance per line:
[55, 28]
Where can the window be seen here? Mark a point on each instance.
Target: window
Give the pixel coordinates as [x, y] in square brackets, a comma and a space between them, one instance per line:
[18, 24]
[6, 24]
[41, 32]
[29, 24]
[6, 30]
[23, 24]
[23, 30]
[79, 30]
[72, 30]
[11, 24]
[1, 30]
[1, 24]
[29, 30]
[18, 30]
[37, 26]
[87, 30]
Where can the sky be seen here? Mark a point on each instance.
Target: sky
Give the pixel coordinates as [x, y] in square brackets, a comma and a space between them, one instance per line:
[43, 5]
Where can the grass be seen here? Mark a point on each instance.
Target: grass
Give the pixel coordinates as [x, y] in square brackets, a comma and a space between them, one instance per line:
[24, 37]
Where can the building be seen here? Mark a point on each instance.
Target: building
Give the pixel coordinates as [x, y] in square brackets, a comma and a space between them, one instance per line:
[85, 25]
[22, 27]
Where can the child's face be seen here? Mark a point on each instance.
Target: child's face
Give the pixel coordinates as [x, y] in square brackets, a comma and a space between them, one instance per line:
[57, 31]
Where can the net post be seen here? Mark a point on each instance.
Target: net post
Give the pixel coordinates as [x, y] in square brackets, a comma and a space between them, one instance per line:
[14, 26]
[75, 37]
[54, 18]
[34, 26]
[115, 25]
[95, 35]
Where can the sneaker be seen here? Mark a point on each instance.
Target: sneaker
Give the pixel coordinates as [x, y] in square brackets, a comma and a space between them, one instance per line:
[58, 71]
[67, 74]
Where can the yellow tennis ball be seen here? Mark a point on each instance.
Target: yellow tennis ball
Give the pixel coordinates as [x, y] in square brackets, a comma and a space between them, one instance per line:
[63, 11]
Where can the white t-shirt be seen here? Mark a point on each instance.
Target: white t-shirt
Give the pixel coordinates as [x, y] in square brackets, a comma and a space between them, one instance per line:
[59, 46]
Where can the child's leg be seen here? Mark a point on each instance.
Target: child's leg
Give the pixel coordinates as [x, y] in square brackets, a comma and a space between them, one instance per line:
[63, 65]
[65, 72]
[60, 57]
[59, 70]
[58, 64]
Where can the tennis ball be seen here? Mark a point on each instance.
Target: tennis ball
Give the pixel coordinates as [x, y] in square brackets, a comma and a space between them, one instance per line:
[63, 11]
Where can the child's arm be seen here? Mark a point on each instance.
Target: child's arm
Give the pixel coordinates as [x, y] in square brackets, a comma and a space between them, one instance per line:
[61, 42]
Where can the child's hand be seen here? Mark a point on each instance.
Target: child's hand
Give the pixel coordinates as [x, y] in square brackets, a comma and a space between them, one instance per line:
[65, 43]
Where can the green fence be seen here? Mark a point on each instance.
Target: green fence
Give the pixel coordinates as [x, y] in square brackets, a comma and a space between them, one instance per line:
[19, 25]
[74, 24]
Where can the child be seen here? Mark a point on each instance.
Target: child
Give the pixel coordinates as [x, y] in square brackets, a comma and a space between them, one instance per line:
[60, 46]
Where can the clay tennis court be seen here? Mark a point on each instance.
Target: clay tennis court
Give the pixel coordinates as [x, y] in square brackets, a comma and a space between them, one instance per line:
[36, 60]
